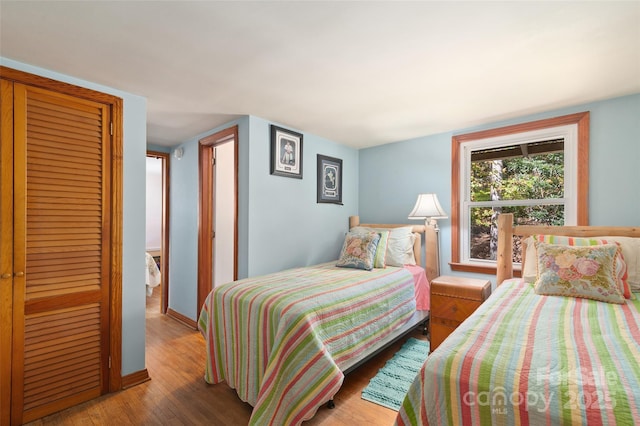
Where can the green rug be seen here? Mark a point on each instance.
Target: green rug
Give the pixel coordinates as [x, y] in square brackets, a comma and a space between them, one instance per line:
[392, 382]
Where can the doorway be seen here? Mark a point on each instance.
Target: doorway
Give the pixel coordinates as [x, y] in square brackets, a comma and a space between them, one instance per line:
[157, 229]
[218, 212]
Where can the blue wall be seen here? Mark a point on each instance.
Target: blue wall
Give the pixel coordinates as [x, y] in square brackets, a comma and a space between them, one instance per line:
[392, 175]
[134, 187]
[280, 224]
[287, 226]
[158, 148]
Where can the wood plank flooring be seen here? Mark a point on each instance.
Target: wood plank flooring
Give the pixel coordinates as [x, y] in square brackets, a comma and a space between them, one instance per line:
[178, 395]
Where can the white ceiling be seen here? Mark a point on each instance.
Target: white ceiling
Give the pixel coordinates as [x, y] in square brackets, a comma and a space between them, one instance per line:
[358, 73]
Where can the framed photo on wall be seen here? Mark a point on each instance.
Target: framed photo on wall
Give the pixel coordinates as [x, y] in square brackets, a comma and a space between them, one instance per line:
[286, 152]
[329, 180]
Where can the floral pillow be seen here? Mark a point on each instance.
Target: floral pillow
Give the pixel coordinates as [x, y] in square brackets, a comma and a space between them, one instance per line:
[359, 250]
[530, 273]
[588, 272]
[380, 258]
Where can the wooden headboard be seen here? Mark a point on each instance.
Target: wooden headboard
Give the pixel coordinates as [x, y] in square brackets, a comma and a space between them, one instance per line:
[430, 237]
[506, 231]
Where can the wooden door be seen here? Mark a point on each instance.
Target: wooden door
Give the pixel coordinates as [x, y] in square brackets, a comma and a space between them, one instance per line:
[61, 246]
[6, 246]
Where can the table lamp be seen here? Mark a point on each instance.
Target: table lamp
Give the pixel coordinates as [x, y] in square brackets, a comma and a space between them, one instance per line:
[428, 208]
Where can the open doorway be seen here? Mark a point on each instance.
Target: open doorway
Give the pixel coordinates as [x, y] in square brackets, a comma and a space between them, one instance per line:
[218, 211]
[157, 232]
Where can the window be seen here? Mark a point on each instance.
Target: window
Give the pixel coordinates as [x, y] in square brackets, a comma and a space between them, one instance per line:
[538, 171]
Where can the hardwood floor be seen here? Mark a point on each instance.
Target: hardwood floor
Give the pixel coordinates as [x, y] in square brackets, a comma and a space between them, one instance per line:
[178, 395]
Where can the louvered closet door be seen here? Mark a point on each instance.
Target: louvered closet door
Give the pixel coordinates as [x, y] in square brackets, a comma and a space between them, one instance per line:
[6, 246]
[61, 231]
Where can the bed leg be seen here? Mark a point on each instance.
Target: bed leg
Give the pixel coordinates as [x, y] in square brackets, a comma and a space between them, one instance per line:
[425, 328]
[331, 405]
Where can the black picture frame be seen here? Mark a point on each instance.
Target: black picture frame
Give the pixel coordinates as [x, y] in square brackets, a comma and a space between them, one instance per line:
[286, 152]
[329, 180]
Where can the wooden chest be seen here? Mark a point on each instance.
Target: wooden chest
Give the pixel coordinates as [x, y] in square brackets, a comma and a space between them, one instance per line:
[453, 299]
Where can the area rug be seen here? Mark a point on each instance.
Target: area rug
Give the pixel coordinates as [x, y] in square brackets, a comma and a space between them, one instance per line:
[391, 383]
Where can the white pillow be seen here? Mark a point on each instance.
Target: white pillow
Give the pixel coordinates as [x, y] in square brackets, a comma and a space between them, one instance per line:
[530, 272]
[399, 245]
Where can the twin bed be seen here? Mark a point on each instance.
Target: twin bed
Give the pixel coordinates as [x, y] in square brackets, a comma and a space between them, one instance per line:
[284, 341]
[525, 358]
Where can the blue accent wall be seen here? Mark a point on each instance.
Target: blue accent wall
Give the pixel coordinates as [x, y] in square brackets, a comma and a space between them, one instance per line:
[287, 226]
[392, 175]
[183, 230]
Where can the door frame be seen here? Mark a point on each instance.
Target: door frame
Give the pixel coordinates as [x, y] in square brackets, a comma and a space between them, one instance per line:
[115, 106]
[206, 147]
[164, 251]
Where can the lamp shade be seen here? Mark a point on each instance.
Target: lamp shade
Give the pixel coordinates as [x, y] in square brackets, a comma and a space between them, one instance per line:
[427, 207]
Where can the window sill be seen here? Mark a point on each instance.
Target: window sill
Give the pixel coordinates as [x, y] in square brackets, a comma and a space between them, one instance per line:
[489, 270]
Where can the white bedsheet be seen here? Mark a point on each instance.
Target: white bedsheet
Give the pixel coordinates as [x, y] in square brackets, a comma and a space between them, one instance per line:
[152, 274]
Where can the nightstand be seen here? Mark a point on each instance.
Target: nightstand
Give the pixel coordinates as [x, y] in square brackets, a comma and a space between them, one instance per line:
[453, 299]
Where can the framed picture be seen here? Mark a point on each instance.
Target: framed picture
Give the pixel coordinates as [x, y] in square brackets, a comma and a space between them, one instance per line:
[329, 180]
[286, 152]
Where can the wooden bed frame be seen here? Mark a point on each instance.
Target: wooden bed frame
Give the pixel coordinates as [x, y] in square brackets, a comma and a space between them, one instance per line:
[506, 231]
[497, 400]
[419, 318]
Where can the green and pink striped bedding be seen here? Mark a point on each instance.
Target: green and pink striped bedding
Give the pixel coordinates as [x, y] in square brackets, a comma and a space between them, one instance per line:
[525, 359]
[280, 340]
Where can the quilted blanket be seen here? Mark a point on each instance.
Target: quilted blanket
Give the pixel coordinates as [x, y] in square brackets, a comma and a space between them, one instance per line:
[280, 340]
[526, 359]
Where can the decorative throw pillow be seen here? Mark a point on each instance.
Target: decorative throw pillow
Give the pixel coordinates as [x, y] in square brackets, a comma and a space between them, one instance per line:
[380, 258]
[588, 272]
[358, 250]
[530, 266]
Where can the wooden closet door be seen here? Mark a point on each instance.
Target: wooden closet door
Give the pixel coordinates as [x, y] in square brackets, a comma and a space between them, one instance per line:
[6, 246]
[61, 252]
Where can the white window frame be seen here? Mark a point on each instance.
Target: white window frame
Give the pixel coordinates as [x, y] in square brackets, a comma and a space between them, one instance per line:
[568, 133]
[581, 187]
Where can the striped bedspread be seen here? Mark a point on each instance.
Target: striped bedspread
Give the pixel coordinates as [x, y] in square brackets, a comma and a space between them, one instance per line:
[279, 340]
[526, 359]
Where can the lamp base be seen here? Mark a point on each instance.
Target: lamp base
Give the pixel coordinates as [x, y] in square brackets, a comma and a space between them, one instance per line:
[432, 248]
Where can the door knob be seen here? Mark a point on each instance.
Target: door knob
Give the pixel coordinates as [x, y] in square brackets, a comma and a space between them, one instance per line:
[5, 276]
[19, 274]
